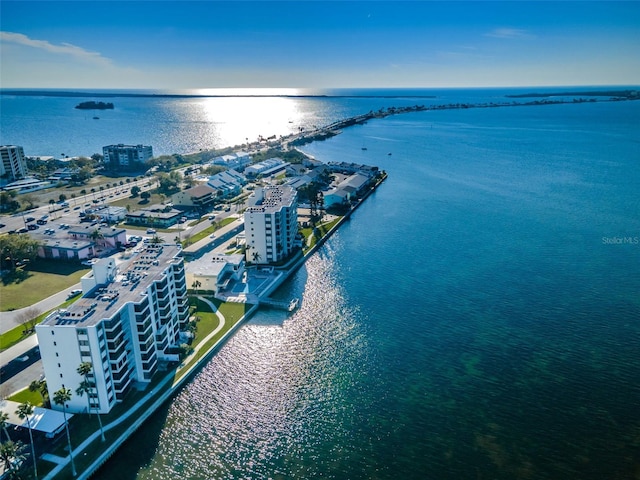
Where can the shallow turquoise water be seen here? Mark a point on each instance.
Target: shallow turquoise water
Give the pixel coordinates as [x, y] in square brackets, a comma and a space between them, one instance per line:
[470, 320]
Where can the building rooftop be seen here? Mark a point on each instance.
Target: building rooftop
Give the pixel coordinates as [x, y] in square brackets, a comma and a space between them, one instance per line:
[272, 199]
[129, 284]
[211, 264]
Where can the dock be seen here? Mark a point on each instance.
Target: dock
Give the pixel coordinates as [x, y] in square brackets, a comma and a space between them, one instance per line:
[288, 306]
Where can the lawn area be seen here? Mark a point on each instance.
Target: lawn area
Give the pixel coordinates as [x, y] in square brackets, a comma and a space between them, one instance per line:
[209, 230]
[137, 202]
[15, 335]
[82, 426]
[38, 281]
[27, 395]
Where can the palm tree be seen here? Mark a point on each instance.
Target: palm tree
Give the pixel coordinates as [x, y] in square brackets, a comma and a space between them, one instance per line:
[196, 284]
[11, 456]
[41, 387]
[61, 397]
[23, 411]
[3, 424]
[87, 387]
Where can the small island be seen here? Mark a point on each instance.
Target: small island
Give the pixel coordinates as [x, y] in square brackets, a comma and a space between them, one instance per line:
[95, 106]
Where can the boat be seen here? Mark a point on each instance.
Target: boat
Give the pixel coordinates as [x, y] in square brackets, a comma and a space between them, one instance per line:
[96, 118]
[364, 148]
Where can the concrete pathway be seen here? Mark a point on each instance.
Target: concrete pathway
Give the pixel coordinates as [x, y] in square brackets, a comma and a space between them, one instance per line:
[62, 462]
[8, 320]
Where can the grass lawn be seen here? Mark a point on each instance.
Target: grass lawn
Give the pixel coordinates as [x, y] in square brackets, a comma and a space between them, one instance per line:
[27, 395]
[38, 281]
[15, 335]
[82, 426]
[209, 230]
[137, 202]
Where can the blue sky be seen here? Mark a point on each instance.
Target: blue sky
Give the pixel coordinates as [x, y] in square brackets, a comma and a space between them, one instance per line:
[328, 44]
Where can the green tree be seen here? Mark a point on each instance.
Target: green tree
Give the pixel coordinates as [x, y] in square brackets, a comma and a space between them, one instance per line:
[145, 196]
[40, 386]
[155, 240]
[14, 248]
[61, 397]
[87, 387]
[62, 197]
[96, 235]
[8, 202]
[135, 190]
[12, 457]
[23, 411]
[3, 424]
[28, 200]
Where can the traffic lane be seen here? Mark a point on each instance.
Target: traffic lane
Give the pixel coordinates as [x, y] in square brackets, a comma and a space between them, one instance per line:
[17, 365]
[22, 380]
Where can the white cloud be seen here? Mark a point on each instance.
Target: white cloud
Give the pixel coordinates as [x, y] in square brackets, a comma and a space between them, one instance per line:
[67, 49]
[508, 33]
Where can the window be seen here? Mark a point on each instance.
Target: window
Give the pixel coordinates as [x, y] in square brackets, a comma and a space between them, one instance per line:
[55, 344]
[52, 332]
[57, 354]
[58, 365]
[60, 375]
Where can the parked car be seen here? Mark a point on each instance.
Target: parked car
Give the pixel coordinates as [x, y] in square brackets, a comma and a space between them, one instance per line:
[74, 293]
[32, 226]
[151, 231]
[30, 219]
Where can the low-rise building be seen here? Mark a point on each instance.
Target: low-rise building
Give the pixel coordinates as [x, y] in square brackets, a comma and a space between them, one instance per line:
[126, 325]
[265, 168]
[347, 190]
[126, 156]
[155, 216]
[228, 183]
[215, 272]
[200, 197]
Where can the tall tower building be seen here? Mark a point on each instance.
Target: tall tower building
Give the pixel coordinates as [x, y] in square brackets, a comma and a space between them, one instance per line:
[271, 224]
[13, 165]
[126, 325]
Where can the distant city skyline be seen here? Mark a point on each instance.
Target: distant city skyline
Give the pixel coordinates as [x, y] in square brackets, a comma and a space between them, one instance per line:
[308, 44]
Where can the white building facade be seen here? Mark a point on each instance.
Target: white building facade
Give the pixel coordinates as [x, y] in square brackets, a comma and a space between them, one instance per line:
[13, 165]
[126, 155]
[271, 224]
[126, 324]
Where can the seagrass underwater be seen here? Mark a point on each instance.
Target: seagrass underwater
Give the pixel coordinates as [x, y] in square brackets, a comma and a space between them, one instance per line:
[462, 323]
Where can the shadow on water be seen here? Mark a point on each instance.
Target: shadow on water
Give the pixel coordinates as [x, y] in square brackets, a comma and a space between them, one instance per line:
[139, 450]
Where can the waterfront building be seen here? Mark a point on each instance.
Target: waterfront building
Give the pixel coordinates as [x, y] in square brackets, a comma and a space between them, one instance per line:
[347, 190]
[271, 224]
[13, 165]
[127, 325]
[215, 272]
[126, 156]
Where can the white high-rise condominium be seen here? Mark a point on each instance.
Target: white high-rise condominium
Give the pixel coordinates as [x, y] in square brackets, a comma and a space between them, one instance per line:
[126, 324]
[13, 165]
[271, 224]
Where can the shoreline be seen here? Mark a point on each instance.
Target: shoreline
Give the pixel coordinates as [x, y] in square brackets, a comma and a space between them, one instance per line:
[286, 272]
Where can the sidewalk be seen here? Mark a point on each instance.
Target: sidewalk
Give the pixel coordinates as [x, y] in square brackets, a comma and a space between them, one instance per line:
[8, 320]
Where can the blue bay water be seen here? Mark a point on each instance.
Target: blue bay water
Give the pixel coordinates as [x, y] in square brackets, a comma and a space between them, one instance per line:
[476, 318]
